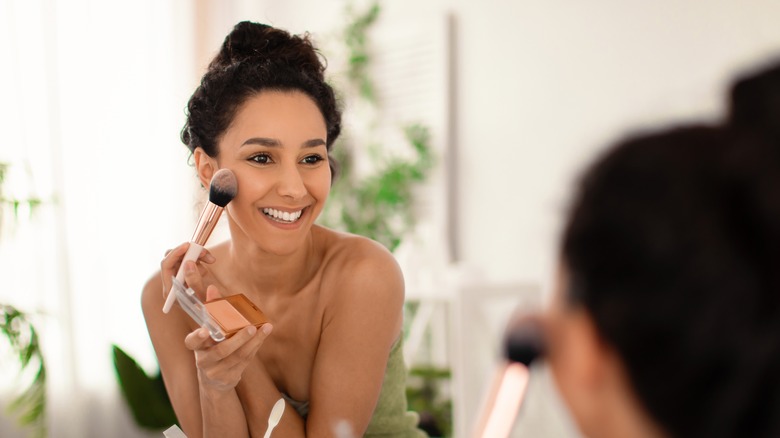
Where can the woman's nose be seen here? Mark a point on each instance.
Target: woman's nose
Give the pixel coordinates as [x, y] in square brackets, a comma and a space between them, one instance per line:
[291, 183]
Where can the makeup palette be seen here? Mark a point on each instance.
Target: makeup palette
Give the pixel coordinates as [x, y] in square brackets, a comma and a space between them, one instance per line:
[222, 317]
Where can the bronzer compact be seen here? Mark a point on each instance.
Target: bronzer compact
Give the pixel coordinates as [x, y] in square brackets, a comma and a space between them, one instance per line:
[222, 317]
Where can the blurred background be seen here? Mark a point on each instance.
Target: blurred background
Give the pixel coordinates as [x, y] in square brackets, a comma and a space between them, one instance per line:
[514, 99]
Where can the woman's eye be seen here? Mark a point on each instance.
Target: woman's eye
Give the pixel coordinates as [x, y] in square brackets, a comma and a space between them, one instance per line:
[312, 159]
[261, 158]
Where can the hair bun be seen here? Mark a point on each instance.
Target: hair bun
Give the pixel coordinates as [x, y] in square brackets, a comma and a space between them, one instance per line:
[262, 43]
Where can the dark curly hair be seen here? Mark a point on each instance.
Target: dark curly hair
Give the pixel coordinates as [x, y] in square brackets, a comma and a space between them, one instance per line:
[673, 247]
[253, 58]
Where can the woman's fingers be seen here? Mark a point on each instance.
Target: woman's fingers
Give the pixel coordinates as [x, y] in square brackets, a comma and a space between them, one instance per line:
[221, 365]
[206, 257]
[246, 351]
[169, 265]
[193, 276]
[198, 339]
[212, 293]
[240, 348]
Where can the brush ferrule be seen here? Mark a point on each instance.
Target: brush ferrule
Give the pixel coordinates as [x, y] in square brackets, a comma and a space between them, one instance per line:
[206, 223]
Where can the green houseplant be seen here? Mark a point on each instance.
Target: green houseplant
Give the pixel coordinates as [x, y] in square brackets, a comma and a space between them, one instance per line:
[144, 394]
[378, 205]
[29, 406]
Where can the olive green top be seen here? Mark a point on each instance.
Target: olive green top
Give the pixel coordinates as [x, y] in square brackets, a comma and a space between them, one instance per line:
[391, 417]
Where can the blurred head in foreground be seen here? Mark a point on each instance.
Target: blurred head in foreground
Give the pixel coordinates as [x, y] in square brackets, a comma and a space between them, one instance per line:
[667, 315]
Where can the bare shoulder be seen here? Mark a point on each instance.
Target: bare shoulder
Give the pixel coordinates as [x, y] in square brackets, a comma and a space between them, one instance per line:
[157, 322]
[152, 294]
[152, 301]
[358, 256]
[358, 267]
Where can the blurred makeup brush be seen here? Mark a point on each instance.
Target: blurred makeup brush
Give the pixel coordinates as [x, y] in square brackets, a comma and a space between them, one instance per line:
[222, 190]
[523, 343]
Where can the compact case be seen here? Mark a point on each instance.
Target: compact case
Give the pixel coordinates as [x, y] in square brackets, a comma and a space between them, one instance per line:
[222, 317]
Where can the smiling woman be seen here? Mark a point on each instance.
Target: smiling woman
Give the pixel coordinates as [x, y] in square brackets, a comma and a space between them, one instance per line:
[332, 348]
[276, 147]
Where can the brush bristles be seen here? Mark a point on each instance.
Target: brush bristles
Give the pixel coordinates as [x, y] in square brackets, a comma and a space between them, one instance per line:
[524, 341]
[223, 187]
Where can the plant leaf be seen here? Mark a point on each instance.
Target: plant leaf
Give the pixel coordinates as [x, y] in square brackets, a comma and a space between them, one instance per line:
[146, 396]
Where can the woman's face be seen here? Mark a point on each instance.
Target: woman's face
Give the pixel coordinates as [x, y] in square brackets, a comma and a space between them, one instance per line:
[276, 146]
[571, 353]
[589, 373]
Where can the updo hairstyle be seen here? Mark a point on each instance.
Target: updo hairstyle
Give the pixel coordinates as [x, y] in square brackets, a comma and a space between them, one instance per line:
[254, 58]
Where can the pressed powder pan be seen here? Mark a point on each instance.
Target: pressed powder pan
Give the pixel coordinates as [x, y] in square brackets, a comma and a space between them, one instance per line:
[234, 313]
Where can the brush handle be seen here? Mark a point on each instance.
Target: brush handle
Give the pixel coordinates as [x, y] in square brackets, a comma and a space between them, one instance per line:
[193, 252]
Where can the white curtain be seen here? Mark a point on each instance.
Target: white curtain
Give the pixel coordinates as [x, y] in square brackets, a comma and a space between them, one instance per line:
[92, 97]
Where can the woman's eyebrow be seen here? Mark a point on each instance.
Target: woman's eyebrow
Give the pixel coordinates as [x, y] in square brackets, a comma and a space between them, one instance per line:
[314, 143]
[262, 141]
[272, 142]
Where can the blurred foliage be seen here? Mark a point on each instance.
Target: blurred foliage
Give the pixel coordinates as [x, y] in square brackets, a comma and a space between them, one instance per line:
[380, 205]
[426, 389]
[145, 395]
[357, 43]
[13, 202]
[29, 406]
[424, 394]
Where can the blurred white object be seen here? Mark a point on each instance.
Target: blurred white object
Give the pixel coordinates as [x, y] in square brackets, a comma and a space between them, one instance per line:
[174, 432]
[342, 429]
[504, 402]
[276, 415]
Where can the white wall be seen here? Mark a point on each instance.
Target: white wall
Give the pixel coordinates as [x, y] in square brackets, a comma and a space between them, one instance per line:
[545, 84]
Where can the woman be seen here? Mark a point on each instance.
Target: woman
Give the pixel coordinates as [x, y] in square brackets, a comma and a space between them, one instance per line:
[667, 315]
[334, 301]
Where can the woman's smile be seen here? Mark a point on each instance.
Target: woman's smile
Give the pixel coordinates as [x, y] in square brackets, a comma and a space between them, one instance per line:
[284, 217]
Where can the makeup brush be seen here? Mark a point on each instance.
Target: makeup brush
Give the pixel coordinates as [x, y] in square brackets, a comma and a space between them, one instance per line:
[222, 190]
[523, 343]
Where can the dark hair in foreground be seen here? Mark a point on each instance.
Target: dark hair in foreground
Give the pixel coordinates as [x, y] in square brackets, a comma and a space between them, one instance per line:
[254, 58]
[673, 247]
[754, 101]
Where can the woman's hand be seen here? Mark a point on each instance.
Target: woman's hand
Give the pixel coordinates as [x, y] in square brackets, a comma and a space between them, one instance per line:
[169, 267]
[221, 364]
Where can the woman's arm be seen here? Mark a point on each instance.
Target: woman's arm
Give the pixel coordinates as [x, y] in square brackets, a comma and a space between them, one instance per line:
[199, 375]
[363, 319]
[219, 368]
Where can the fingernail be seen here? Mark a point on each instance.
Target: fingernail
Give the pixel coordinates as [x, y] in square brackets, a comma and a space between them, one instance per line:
[209, 258]
[203, 333]
[189, 267]
[267, 328]
[252, 330]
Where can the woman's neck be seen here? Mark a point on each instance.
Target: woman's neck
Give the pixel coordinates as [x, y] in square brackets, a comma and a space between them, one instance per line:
[260, 272]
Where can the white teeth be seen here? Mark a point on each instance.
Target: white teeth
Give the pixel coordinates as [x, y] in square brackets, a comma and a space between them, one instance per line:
[283, 216]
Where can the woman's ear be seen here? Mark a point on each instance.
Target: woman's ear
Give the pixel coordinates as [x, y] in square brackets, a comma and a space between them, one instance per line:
[205, 166]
